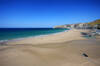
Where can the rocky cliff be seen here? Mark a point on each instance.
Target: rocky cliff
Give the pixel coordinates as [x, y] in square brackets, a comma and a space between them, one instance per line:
[60, 26]
[94, 22]
[80, 25]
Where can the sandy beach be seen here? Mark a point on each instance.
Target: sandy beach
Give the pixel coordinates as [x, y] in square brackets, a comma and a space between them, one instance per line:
[61, 49]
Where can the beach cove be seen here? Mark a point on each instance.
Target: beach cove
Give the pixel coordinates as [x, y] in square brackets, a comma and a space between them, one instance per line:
[61, 49]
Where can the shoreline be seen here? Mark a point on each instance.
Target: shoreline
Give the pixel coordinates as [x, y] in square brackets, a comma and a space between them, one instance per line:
[50, 38]
[38, 36]
[61, 49]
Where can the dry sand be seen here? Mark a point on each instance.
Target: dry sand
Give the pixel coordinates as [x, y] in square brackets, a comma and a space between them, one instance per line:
[62, 49]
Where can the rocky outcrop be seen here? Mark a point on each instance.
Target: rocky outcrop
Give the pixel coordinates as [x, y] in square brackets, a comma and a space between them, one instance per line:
[60, 26]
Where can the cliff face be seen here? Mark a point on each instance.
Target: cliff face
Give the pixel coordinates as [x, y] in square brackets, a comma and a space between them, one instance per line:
[80, 25]
[94, 22]
[60, 26]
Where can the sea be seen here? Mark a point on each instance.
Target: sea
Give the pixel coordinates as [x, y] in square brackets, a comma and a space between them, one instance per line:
[16, 33]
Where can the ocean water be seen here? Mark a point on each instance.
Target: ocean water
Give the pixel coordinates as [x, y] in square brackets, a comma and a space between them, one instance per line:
[14, 33]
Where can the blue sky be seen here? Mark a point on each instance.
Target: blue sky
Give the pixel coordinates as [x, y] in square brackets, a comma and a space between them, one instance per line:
[47, 13]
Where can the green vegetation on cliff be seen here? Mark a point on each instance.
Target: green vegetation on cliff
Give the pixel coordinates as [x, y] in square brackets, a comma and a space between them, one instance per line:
[94, 22]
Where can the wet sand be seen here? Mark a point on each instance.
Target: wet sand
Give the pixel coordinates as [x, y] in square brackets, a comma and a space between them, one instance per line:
[62, 49]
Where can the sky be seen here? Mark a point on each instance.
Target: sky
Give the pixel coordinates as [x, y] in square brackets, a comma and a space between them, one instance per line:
[47, 13]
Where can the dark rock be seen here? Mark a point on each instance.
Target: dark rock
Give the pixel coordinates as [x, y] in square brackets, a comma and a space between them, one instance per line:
[85, 55]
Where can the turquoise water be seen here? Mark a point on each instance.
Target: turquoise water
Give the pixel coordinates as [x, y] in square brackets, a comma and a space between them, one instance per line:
[13, 33]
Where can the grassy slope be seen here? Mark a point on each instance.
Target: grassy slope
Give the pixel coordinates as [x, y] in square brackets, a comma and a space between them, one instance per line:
[94, 22]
